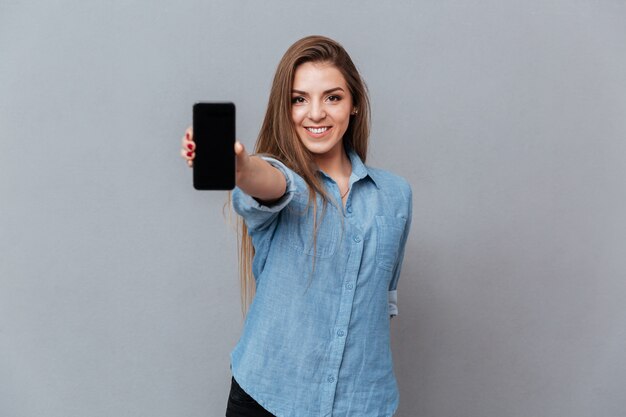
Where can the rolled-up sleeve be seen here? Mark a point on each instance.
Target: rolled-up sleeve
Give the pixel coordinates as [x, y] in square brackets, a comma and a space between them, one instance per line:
[259, 216]
[393, 285]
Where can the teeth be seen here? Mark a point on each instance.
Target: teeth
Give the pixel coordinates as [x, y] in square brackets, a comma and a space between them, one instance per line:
[317, 130]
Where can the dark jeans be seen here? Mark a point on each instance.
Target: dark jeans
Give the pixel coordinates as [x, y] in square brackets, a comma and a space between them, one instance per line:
[240, 404]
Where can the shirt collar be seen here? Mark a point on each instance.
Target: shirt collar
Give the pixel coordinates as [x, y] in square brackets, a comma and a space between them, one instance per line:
[359, 169]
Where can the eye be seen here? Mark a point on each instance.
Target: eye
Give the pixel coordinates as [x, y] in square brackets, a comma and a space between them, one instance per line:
[297, 100]
[334, 98]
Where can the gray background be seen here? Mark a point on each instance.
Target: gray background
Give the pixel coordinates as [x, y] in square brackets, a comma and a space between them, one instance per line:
[118, 282]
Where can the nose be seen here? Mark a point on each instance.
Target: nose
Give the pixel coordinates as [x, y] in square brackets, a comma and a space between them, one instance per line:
[316, 111]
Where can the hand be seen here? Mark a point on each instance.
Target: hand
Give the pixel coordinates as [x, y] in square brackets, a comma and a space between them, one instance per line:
[188, 150]
[242, 158]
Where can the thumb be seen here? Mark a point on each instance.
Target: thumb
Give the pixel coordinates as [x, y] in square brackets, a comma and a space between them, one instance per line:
[241, 155]
[239, 148]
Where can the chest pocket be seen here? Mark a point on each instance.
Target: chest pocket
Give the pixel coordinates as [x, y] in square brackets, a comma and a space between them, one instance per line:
[298, 233]
[389, 232]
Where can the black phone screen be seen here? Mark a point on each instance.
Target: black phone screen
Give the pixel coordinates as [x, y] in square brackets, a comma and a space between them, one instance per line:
[214, 135]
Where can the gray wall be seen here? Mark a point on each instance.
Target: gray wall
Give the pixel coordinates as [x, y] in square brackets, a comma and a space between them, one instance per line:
[118, 281]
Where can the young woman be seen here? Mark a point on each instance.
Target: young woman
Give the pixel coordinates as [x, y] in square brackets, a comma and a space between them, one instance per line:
[323, 238]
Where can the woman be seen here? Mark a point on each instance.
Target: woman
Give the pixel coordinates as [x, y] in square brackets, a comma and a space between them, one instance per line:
[323, 240]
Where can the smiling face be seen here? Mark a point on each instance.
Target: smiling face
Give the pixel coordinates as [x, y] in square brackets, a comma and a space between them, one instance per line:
[321, 105]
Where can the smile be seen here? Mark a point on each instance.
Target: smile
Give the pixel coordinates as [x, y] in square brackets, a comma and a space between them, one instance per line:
[317, 130]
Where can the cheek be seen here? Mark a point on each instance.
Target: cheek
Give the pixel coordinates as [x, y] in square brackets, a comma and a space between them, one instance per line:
[342, 115]
[297, 115]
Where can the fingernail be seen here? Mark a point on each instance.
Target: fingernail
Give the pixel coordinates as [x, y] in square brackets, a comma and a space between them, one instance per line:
[189, 153]
[190, 146]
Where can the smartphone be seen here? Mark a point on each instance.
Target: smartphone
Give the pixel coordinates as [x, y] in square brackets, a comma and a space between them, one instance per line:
[214, 135]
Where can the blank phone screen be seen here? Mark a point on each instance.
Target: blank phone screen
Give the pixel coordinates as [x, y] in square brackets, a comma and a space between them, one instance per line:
[214, 135]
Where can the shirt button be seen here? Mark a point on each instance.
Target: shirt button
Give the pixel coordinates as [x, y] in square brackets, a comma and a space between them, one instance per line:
[349, 286]
[331, 379]
[340, 333]
[357, 239]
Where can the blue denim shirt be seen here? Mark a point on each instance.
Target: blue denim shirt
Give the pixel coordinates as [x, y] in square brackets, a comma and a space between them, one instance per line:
[316, 338]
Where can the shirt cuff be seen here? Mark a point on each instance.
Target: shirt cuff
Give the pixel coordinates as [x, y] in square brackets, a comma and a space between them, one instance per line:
[393, 302]
[282, 202]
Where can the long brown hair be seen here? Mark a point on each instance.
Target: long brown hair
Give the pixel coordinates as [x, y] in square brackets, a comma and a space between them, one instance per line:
[278, 137]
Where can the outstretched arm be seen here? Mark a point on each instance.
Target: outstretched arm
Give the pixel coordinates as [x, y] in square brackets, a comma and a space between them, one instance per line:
[254, 176]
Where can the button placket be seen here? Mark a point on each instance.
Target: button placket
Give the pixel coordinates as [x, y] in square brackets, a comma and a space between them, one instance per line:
[337, 346]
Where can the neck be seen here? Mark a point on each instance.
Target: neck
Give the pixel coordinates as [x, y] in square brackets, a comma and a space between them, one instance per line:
[335, 164]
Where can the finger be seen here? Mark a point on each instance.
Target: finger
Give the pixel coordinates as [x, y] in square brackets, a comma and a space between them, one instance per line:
[184, 141]
[187, 154]
[188, 143]
[190, 163]
[241, 157]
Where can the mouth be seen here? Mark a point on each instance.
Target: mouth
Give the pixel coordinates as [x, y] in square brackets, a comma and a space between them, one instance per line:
[318, 130]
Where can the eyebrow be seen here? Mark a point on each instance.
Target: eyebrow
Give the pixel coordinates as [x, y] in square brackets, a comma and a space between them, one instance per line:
[332, 90]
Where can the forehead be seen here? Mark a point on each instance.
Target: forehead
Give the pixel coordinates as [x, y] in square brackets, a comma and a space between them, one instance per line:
[318, 76]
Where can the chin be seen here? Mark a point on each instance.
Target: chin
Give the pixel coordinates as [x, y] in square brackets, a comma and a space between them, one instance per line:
[320, 148]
